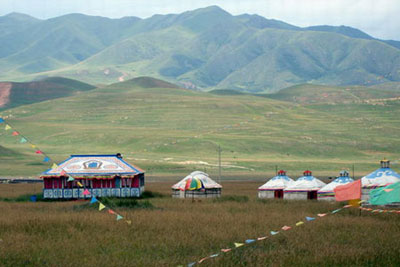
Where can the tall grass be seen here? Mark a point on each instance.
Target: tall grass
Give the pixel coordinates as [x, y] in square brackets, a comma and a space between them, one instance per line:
[181, 231]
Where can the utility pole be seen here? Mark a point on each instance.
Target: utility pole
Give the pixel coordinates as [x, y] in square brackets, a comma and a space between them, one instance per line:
[353, 172]
[219, 163]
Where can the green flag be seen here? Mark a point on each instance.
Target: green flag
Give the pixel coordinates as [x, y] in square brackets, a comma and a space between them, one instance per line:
[385, 195]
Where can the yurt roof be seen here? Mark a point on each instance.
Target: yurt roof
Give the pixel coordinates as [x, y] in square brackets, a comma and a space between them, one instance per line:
[342, 180]
[380, 177]
[306, 183]
[277, 182]
[205, 179]
[94, 165]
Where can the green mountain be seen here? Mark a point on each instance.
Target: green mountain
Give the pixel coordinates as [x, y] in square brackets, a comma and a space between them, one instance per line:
[207, 48]
[175, 131]
[13, 94]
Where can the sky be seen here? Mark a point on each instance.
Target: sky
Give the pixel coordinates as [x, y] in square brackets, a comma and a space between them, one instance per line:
[379, 18]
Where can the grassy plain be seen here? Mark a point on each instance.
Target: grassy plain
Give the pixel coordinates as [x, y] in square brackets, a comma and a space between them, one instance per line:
[170, 131]
[176, 232]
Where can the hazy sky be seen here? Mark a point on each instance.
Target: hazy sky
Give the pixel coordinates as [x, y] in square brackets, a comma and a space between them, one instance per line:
[379, 18]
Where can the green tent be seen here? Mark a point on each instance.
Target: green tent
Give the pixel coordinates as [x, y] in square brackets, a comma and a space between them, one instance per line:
[385, 195]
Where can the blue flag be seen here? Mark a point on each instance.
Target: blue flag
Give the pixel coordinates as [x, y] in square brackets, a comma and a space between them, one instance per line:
[1, 120]
[274, 233]
[93, 200]
[46, 159]
[310, 218]
[248, 241]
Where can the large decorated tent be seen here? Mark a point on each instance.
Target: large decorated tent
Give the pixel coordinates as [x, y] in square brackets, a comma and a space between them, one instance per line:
[326, 192]
[305, 187]
[196, 185]
[380, 178]
[100, 175]
[274, 187]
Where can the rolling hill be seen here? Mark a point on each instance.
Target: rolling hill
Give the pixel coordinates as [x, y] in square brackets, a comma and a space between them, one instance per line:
[13, 94]
[207, 48]
[174, 131]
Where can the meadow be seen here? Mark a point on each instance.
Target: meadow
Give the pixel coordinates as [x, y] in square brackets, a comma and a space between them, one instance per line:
[172, 232]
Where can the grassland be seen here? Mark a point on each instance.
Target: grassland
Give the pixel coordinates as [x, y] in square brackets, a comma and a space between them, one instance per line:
[176, 232]
[172, 131]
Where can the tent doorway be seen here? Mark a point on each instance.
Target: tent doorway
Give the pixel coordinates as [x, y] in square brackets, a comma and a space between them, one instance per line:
[312, 195]
[278, 193]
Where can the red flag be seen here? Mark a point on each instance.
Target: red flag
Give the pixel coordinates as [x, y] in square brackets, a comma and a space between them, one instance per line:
[15, 133]
[38, 152]
[348, 191]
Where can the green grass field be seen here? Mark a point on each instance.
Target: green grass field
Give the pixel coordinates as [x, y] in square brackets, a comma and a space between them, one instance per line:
[174, 131]
[172, 232]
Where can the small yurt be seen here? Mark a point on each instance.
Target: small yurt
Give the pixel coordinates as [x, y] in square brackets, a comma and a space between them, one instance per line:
[274, 187]
[305, 187]
[326, 192]
[207, 188]
[380, 178]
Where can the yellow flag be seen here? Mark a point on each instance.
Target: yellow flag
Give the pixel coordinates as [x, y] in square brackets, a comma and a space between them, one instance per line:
[299, 223]
[33, 146]
[8, 127]
[355, 202]
[101, 206]
[55, 166]
[79, 184]
[238, 245]
[129, 222]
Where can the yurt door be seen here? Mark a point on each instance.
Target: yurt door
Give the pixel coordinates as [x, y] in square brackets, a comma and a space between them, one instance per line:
[312, 195]
[278, 193]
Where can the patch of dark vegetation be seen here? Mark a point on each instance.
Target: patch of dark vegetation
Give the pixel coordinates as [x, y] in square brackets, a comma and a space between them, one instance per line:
[128, 203]
[239, 199]
[150, 194]
[25, 198]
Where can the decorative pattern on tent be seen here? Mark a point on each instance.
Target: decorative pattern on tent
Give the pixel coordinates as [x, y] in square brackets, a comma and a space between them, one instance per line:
[380, 177]
[306, 183]
[196, 184]
[94, 165]
[207, 182]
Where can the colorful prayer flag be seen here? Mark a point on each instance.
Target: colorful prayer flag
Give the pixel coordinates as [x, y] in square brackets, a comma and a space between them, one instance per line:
[129, 222]
[238, 245]
[310, 218]
[33, 146]
[1, 120]
[248, 241]
[274, 233]
[15, 133]
[101, 206]
[111, 211]
[285, 228]
[86, 192]
[299, 223]
[119, 217]
[79, 184]
[70, 179]
[226, 250]
[214, 255]
[23, 140]
[348, 191]
[93, 200]
[63, 172]
[38, 152]
[191, 264]
[54, 166]
[8, 127]
[46, 159]
[321, 214]
[336, 211]
[262, 238]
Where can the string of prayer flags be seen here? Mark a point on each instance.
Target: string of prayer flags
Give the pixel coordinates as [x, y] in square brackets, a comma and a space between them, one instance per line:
[93, 200]
[285, 228]
[238, 245]
[299, 223]
[336, 210]
[274, 233]
[101, 206]
[23, 140]
[310, 218]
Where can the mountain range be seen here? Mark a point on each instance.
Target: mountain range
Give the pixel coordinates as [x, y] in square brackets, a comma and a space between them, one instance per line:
[203, 49]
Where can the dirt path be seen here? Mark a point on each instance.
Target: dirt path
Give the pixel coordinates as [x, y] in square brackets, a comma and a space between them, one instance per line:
[5, 90]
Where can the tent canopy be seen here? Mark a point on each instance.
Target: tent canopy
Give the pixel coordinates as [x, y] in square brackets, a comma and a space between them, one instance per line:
[306, 183]
[281, 181]
[341, 180]
[380, 177]
[207, 182]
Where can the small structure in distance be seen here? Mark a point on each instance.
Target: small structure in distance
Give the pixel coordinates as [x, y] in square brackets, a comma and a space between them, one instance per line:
[275, 186]
[305, 187]
[327, 193]
[208, 189]
[101, 175]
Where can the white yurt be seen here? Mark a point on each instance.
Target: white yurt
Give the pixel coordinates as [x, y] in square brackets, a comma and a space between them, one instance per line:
[208, 188]
[274, 187]
[380, 178]
[305, 187]
[326, 192]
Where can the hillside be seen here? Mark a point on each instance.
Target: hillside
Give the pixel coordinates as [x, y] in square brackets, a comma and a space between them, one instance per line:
[174, 131]
[13, 94]
[309, 94]
[207, 48]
